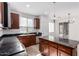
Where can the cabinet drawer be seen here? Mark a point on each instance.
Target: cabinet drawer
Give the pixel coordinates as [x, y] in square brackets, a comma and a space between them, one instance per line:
[48, 42]
[65, 49]
[43, 40]
[53, 44]
[61, 53]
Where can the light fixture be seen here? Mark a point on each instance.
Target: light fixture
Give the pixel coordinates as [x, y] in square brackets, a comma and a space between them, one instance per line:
[54, 15]
[69, 18]
[27, 5]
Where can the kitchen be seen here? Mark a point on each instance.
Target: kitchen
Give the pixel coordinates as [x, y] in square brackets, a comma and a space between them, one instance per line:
[25, 26]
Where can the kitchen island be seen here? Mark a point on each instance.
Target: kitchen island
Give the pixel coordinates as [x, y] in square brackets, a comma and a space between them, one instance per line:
[53, 46]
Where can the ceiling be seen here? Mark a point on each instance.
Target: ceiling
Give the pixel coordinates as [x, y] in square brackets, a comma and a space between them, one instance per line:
[44, 8]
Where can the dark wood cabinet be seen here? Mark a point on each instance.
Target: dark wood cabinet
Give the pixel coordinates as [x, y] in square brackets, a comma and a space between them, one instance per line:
[61, 53]
[27, 40]
[65, 50]
[47, 49]
[1, 12]
[54, 49]
[36, 23]
[4, 14]
[14, 21]
[44, 49]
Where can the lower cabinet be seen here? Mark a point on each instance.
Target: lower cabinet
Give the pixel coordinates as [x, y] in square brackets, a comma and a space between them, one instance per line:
[27, 40]
[44, 49]
[61, 53]
[48, 48]
[64, 50]
[52, 51]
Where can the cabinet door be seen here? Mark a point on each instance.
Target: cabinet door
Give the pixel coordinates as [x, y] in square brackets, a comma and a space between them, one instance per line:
[1, 12]
[61, 53]
[14, 21]
[32, 39]
[24, 40]
[52, 51]
[27, 40]
[44, 49]
[4, 14]
[64, 50]
[37, 23]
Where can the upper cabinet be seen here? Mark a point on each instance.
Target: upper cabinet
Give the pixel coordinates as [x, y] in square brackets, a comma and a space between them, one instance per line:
[4, 14]
[14, 21]
[36, 23]
[1, 12]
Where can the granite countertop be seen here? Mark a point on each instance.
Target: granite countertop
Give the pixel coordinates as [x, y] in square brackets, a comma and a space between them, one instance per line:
[16, 31]
[66, 42]
[11, 46]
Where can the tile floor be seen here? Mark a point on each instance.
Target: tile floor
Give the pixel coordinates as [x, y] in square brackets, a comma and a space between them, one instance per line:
[33, 50]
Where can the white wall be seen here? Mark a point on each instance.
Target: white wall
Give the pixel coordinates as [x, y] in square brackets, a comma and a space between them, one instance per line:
[74, 30]
[73, 26]
[44, 26]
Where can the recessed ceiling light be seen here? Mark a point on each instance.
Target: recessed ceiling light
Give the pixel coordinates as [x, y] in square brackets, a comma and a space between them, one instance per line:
[27, 5]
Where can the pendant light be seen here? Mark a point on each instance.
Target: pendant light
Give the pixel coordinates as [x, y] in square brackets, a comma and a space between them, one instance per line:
[69, 18]
[54, 15]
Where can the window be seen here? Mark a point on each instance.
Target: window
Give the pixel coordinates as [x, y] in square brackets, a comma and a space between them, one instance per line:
[51, 27]
[23, 22]
[26, 22]
[30, 23]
